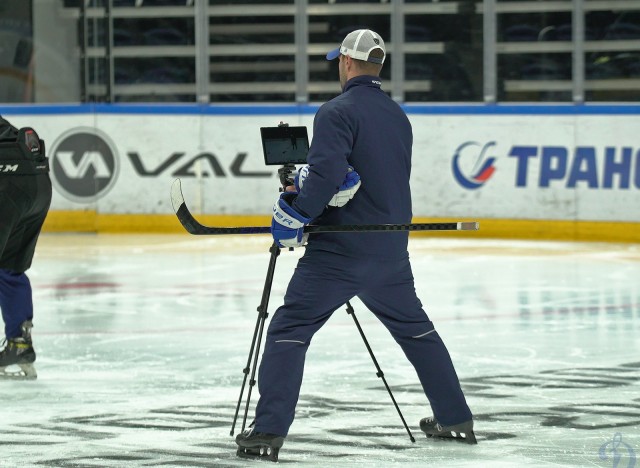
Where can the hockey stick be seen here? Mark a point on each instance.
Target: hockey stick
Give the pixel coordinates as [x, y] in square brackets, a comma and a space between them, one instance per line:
[194, 227]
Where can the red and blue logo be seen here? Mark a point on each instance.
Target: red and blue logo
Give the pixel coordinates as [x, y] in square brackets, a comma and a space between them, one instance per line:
[482, 169]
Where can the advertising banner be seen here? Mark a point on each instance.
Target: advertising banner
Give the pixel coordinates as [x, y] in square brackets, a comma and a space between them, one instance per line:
[527, 167]
[558, 167]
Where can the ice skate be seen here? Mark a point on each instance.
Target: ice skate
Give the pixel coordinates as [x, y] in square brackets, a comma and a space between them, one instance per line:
[18, 352]
[462, 432]
[258, 445]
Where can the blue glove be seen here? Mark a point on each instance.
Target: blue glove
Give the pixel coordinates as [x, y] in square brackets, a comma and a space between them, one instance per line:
[300, 177]
[287, 226]
[347, 190]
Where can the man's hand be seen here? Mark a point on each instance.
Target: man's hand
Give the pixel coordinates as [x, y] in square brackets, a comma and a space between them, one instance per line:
[287, 226]
[347, 190]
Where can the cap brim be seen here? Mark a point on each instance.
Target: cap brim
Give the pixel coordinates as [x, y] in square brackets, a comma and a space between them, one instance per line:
[334, 54]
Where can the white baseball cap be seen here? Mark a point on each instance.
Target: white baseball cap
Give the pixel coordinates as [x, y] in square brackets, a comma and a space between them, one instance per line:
[358, 45]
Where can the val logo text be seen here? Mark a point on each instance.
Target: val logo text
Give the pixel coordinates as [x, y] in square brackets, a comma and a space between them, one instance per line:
[206, 163]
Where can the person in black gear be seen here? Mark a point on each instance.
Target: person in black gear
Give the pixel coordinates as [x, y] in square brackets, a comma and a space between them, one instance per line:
[363, 129]
[25, 197]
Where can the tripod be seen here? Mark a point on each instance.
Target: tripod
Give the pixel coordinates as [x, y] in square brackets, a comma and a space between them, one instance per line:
[254, 350]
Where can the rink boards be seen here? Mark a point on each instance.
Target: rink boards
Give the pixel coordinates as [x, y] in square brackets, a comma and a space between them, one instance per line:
[544, 172]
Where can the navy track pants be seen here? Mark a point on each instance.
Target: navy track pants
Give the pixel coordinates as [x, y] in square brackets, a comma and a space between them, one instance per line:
[323, 282]
[16, 301]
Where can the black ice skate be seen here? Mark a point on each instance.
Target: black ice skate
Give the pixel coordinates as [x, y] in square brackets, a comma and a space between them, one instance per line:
[258, 445]
[19, 352]
[462, 432]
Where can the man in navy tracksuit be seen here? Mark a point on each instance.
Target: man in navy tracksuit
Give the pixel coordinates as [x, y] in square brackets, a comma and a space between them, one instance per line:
[365, 130]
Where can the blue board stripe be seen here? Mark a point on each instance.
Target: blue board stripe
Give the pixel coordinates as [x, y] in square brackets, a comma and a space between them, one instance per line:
[310, 109]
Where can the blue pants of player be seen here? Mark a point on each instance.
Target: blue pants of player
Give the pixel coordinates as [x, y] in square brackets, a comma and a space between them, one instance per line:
[323, 282]
[15, 301]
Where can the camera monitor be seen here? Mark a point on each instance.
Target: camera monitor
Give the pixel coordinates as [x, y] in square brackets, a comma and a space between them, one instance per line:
[284, 145]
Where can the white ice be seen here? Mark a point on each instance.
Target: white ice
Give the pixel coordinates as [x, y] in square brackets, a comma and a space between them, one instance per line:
[142, 339]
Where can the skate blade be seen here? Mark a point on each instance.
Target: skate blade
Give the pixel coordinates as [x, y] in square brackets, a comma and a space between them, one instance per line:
[258, 453]
[468, 438]
[26, 372]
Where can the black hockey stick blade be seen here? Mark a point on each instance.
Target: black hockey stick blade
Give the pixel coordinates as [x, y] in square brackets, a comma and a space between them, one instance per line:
[194, 227]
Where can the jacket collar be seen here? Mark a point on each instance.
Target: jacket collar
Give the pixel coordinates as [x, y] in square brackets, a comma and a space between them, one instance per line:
[363, 80]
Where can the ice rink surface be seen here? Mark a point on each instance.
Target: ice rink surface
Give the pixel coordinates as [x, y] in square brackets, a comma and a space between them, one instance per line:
[142, 340]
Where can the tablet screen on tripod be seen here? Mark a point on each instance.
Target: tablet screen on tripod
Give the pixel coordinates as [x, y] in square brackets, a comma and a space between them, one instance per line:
[284, 145]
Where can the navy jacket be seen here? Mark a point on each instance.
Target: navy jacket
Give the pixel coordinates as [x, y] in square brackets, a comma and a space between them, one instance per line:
[364, 128]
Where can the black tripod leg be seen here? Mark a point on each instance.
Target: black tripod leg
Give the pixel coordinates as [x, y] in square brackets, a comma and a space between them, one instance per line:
[254, 351]
[379, 373]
